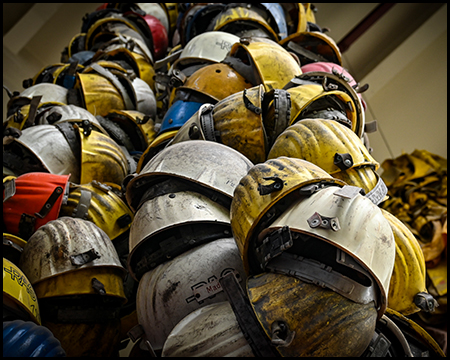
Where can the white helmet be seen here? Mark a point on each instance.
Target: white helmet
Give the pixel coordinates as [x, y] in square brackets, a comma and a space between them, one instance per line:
[170, 224]
[210, 165]
[353, 225]
[208, 47]
[52, 149]
[211, 331]
[175, 288]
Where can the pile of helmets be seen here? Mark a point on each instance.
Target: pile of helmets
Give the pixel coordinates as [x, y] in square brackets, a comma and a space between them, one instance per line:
[197, 179]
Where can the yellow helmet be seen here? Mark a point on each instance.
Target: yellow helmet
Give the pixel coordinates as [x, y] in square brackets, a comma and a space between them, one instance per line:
[12, 246]
[263, 61]
[72, 251]
[238, 123]
[158, 143]
[97, 94]
[313, 101]
[213, 82]
[102, 159]
[304, 319]
[336, 149]
[333, 84]
[238, 19]
[318, 46]
[407, 289]
[266, 191]
[19, 297]
[99, 204]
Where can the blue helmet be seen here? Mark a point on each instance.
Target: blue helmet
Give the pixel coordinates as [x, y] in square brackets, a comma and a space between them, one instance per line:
[180, 112]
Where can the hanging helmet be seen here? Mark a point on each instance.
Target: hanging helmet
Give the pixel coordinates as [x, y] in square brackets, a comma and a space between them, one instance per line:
[23, 108]
[102, 159]
[277, 19]
[262, 61]
[267, 189]
[71, 113]
[199, 21]
[158, 11]
[332, 68]
[312, 46]
[333, 86]
[110, 27]
[158, 143]
[296, 19]
[323, 323]
[237, 121]
[72, 251]
[334, 148]
[179, 286]
[97, 94]
[170, 224]
[239, 20]
[99, 204]
[314, 101]
[26, 339]
[209, 47]
[177, 114]
[210, 331]
[399, 336]
[55, 74]
[36, 201]
[12, 247]
[212, 168]
[343, 224]
[159, 35]
[19, 299]
[407, 290]
[212, 83]
[39, 149]
[139, 126]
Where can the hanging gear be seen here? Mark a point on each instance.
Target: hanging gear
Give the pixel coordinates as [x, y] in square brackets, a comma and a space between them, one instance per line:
[180, 220]
[37, 199]
[265, 192]
[183, 284]
[263, 61]
[210, 168]
[19, 298]
[60, 74]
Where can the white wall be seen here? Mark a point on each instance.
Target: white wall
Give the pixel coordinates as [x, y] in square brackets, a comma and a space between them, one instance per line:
[407, 93]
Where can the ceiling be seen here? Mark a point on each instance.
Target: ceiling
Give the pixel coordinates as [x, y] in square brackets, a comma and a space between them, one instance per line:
[370, 30]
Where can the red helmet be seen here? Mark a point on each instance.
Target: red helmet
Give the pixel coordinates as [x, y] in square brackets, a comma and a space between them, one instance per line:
[160, 36]
[36, 200]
